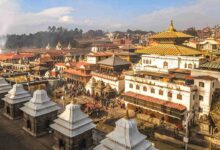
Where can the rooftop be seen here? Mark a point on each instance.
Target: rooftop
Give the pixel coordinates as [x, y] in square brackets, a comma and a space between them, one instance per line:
[125, 136]
[157, 101]
[72, 121]
[114, 61]
[39, 104]
[169, 49]
[170, 33]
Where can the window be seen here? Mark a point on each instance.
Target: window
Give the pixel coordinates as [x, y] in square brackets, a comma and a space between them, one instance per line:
[160, 92]
[152, 90]
[169, 94]
[190, 66]
[137, 87]
[131, 86]
[213, 85]
[165, 64]
[201, 84]
[144, 61]
[179, 96]
[145, 88]
[185, 65]
[200, 97]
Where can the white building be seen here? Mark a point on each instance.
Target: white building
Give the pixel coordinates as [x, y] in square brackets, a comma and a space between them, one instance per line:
[125, 137]
[193, 92]
[210, 44]
[159, 63]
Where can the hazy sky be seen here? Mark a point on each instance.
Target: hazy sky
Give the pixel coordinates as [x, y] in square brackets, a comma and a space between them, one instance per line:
[25, 16]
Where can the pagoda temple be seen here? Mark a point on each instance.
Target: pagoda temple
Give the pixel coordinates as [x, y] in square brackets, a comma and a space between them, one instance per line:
[110, 71]
[4, 88]
[125, 137]
[169, 52]
[14, 100]
[170, 42]
[73, 129]
[39, 113]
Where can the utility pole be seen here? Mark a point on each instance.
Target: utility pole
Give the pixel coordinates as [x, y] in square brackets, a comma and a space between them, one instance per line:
[188, 117]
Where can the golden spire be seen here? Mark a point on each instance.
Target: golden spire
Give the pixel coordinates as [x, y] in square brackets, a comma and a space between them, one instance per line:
[171, 27]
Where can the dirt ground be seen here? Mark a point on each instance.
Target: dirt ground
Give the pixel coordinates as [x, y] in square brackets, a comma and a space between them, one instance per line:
[13, 137]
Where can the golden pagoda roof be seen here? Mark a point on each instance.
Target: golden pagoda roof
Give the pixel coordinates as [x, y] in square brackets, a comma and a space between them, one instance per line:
[169, 49]
[170, 33]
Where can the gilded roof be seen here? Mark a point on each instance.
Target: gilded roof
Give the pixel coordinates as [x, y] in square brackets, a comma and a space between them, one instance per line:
[170, 33]
[169, 49]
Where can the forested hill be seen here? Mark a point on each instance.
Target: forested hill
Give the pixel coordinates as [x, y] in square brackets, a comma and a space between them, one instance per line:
[52, 36]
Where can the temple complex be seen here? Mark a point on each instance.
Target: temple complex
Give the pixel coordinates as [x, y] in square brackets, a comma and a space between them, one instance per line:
[73, 129]
[125, 137]
[39, 113]
[4, 88]
[14, 100]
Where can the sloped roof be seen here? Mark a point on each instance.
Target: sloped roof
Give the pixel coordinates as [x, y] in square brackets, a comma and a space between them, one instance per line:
[17, 95]
[114, 61]
[211, 65]
[169, 49]
[72, 121]
[40, 104]
[125, 136]
[4, 86]
[170, 33]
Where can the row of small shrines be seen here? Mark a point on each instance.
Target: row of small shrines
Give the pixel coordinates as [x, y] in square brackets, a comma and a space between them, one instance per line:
[72, 129]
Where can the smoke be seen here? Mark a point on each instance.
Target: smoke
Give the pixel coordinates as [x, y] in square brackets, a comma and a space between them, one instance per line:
[8, 9]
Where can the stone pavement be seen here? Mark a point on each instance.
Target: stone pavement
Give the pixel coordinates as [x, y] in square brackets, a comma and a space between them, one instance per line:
[12, 137]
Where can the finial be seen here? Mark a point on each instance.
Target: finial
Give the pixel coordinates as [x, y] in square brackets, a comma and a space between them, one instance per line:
[171, 27]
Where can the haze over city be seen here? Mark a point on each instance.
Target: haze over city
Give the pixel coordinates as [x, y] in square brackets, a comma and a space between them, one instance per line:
[25, 16]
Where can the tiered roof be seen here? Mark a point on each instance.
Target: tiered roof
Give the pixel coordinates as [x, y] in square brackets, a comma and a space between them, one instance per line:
[170, 33]
[17, 95]
[125, 137]
[170, 43]
[40, 104]
[4, 86]
[169, 49]
[72, 121]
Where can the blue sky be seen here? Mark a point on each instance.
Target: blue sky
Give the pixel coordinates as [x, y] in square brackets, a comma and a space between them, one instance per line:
[25, 16]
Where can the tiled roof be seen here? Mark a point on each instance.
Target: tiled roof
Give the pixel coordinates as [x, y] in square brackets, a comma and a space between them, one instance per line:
[76, 72]
[169, 49]
[114, 61]
[211, 65]
[156, 101]
[205, 77]
[170, 34]
[9, 56]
